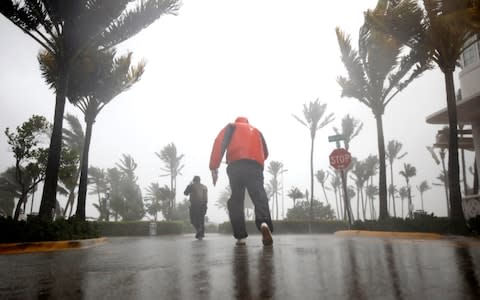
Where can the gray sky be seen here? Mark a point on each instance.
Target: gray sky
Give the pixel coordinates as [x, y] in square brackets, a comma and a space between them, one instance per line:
[221, 59]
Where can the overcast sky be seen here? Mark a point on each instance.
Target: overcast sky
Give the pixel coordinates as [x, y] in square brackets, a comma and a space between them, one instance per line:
[221, 59]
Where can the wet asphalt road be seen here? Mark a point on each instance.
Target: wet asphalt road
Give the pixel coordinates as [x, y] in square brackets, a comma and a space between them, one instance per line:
[296, 267]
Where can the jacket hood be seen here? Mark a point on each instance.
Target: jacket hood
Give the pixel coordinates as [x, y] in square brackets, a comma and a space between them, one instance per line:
[241, 120]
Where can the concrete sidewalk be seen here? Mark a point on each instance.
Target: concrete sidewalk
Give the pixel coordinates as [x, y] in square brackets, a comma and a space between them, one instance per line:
[28, 247]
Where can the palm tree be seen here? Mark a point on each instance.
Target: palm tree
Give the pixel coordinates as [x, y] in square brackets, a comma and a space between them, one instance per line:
[313, 114]
[9, 190]
[444, 173]
[403, 193]
[392, 190]
[275, 168]
[393, 152]
[95, 80]
[173, 167]
[371, 167]
[336, 183]
[65, 31]
[351, 127]
[295, 194]
[440, 31]
[322, 177]
[408, 172]
[73, 137]
[371, 191]
[376, 74]
[360, 177]
[154, 200]
[422, 188]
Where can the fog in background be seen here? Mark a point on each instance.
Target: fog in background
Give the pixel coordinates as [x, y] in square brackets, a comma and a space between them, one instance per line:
[221, 59]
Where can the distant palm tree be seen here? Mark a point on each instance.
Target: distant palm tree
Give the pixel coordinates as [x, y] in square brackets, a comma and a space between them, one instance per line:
[440, 31]
[295, 194]
[10, 190]
[392, 190]
[403, 193]
[351, 127]
[371, 191]
[408, 172]
[172, 167]
[322, 177]
[360, 177]
[274, 169]
[422, 188]
[442, 153]
[73, 137]
[313, 114]
[154, 199]
[336, 184]
[65, 31]
[371, 166]
[377, 72]
[393, 152]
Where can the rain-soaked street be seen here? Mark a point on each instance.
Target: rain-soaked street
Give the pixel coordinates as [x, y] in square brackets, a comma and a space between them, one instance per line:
[296, 267]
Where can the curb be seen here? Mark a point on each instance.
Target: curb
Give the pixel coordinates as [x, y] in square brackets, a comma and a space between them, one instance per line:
[29, 247]
[390, 234]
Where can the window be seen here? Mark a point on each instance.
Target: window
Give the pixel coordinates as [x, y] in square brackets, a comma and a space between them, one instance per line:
[470, 55]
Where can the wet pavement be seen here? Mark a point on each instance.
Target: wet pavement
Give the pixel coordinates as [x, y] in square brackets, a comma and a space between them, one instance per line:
[297, 266]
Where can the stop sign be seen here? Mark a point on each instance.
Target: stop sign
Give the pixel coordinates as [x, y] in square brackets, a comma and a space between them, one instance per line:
[340, 159]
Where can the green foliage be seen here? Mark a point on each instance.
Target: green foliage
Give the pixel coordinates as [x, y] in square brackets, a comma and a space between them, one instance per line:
[423, 223]
[37, 230]
[138, 228]
[302, 211]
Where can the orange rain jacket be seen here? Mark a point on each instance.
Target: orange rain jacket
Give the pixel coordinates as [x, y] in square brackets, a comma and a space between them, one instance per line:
[241, 141]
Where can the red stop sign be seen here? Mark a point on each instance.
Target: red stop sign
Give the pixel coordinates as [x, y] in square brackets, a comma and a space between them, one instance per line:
[340, 159]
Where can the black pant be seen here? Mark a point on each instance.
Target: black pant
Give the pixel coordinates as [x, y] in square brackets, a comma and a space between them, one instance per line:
[246, 174]
[197, 217]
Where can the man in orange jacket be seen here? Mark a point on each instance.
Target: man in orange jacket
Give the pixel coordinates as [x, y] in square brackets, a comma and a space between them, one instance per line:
[246, 153]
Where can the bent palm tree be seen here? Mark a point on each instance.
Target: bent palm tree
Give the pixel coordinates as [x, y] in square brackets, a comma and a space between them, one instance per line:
[439, 30]
[65, 30]
[379, 70]
[313, 114]
[422, 188]
[173, 168]
[408, 172]
[295, 194]
[274, 168]
[322, 177]
[95, 81]
[393, 152]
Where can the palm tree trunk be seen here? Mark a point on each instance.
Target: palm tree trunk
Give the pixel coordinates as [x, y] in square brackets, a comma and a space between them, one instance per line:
[464, 171]
[445, 182]
[325, 194]
[311, 179]
[393, 191]
[358, 203]
[421, 198]
[336, 203]
[475, 178]
[457, 217]
[382, 186]
[364, 206]
[82, 187]
[53, 163]
[33, 198]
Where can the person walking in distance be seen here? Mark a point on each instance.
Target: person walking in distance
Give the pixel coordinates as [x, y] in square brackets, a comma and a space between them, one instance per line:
[246, 153]
[198, 205]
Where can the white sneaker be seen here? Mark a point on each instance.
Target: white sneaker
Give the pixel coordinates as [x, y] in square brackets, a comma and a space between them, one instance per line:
[266, 235]
[241, 242]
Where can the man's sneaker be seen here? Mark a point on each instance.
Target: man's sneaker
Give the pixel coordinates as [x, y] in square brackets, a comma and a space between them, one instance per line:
[241, 242]
[266, 235]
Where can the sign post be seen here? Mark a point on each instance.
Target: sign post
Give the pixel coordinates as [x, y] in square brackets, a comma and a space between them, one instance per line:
[340, 159]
